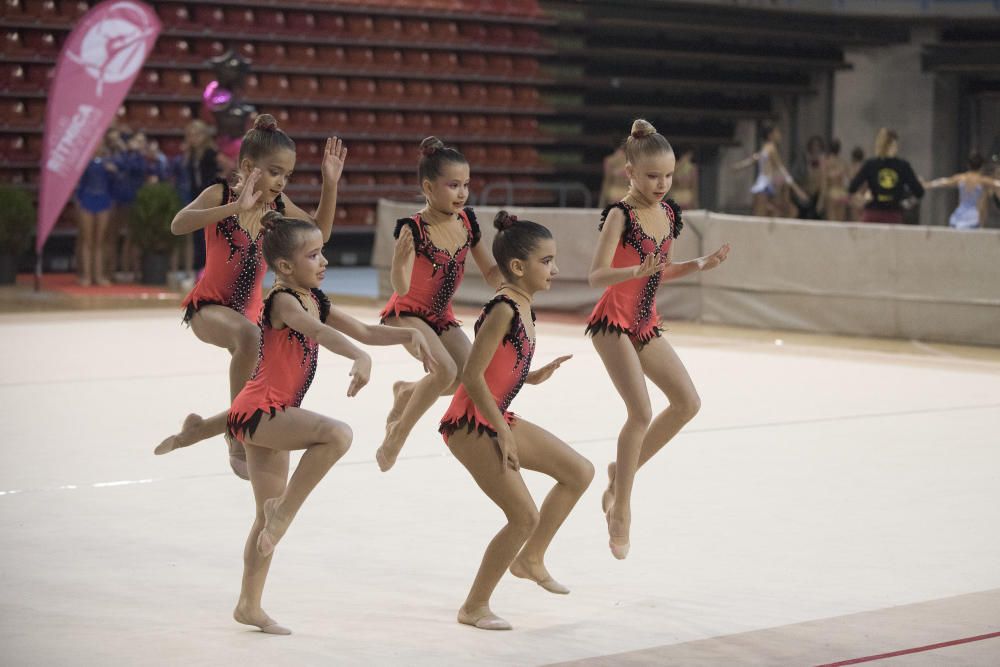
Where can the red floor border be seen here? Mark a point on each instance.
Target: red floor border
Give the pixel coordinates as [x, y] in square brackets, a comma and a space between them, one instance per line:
[919, 649]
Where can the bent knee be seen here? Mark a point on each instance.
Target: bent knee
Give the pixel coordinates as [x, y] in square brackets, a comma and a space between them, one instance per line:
[339, 436]
[444, 374]
[689, 406]
[524, 521]
[639, 415]
[247, 338]
[583, 475]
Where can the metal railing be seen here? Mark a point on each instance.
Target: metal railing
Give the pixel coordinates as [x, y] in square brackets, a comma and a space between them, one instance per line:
[563, 190]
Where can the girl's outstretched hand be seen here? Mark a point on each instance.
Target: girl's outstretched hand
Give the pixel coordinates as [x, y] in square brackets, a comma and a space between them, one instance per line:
[360, 372]
[334, 156]
[545, 372]
[713, 260]
[508, 450]
[419, 348]
[653, 263]
[248, 198]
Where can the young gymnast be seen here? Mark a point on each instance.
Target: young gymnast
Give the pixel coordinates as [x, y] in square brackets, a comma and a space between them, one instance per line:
[265, 416]
[632, 258]
[224, 306]
[492, 443]
[427, 268]
[973, 187]
[768, 189]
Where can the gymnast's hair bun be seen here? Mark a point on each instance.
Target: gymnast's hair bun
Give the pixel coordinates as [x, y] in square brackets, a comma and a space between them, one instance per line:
[504, 220]
[642, 128]
[266, 122]
[271, 220]
[430, 146]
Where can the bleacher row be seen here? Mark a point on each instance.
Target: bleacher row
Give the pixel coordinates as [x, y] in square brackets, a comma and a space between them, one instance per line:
[382, 75]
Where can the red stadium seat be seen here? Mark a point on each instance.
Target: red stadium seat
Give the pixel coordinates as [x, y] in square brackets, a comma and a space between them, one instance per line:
[525, 156]
[272, 20]
[178, 82]
[475, 33]
[417, 30]
[303, 86]
[475, 94]
[501, 125]
[210, 18]
[334, 88]
[13, 113]
[500, 65]
[332, 56]
[476, 154]
[419, 122]
[304, 119]
[446, 92]
[274, 85]
[14, 147]
[391, 90]
[273, 53]
[334, 122]
[526, 125]
[444, 62]
[148, 81]
[389, 59]
[360, 57]
[175, 115]
[173, 15]
[473, 63]
[390, 122]
[204, 49]
[500, 155]
[501, 96]
[363, 152]
[526, 96]
[361, 89]
[360, 26]
[248, 51]
[447, 124]
[419, 92]
[475, 124]
[388, 27]
[417, 61]
[364, 121]
[329, 25]
[298, 55]
[300, 23]
[525, 66]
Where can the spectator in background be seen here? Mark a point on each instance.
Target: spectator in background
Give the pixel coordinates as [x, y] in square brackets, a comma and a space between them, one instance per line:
[131, 175]
[856, 201]
[197, 169]
[615, 184]
[832, 203]
[973, 188]
[685, 188]
[94, 205]
[890, 180]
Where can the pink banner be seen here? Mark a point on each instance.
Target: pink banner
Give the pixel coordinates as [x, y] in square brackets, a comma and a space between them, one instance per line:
[98, 63]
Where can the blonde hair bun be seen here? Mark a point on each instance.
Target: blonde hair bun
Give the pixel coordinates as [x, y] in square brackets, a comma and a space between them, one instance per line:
[642, 128]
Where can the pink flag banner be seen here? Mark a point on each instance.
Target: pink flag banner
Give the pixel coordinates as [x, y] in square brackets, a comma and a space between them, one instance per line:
[99, 61]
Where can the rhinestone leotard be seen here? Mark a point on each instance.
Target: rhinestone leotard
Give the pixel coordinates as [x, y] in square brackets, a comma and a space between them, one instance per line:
[505, 375]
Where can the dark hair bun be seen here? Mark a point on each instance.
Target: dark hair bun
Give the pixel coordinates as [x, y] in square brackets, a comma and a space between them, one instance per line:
[266, 122]
[430, 146]
[271, 220]
[504, 220]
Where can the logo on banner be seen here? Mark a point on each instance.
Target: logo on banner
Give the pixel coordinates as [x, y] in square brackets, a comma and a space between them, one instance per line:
[114, 48]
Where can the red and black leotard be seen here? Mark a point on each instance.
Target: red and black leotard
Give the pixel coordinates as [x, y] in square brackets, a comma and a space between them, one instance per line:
[234, 266]
[286, 365]
[629, 307]
[505, 375]
[435, 277]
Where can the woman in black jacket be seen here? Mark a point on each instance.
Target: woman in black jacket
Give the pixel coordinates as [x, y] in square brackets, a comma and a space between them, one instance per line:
[889, 178]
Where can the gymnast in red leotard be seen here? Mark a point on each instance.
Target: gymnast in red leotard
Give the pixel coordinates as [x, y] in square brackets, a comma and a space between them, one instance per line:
[266, 415]
[631, 260]
[427, 267]
[224, 306]
[492, 443]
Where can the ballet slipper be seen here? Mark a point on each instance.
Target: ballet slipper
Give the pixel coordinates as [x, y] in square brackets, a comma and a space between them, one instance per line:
[237, 457]
[191, 422]
[487, 621]
[270, 627]
[385, 463]
[619, 547]
[547, 582]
